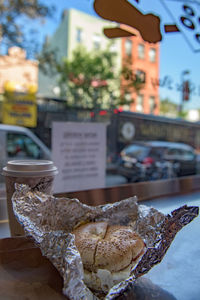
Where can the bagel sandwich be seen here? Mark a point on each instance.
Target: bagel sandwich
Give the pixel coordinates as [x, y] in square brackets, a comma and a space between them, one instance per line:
[108, 253]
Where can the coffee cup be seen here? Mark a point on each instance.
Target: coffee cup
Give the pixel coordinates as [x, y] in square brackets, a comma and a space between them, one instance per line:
[37, 174]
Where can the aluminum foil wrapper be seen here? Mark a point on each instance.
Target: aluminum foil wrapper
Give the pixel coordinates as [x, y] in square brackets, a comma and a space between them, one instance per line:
[50, 221]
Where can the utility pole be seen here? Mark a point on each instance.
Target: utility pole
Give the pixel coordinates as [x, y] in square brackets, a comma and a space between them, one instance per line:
[183, 73]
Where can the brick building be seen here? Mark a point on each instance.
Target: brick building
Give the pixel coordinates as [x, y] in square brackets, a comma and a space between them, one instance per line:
[144, 61]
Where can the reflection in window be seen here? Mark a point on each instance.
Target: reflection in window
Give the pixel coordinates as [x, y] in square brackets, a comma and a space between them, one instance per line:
[139, 103]
[128, 47]
[21, 146]
[151, 104]
[152, 54]
[96, 41]
[141, 51]
[79, 35]
[141, 75]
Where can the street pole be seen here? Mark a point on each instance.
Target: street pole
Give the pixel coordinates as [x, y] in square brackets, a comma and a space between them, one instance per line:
[183, 73]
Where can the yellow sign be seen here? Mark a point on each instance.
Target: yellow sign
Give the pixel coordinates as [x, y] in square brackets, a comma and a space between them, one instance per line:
[19, 109]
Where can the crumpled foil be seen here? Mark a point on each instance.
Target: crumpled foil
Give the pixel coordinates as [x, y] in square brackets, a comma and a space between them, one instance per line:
[50, 221]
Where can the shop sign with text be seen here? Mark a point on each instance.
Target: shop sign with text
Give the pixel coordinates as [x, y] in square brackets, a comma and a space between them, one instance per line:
[79, 152]
[19, 109]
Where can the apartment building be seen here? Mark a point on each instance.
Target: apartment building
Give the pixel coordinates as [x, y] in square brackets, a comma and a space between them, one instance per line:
[76, 28]
[144, 61]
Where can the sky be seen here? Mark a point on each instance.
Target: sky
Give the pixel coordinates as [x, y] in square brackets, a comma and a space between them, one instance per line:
[179, 52]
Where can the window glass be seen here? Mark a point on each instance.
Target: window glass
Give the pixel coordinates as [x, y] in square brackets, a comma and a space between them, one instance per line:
[152, 54]
[79, 35]
[141, 51]
[138, 151]
[171, 152]
[141, 75]
[113, 46]
[22, 146]
[187, 155]
[128, 97]
[96, 41]
[139, 103]
[151, 104]
[157, 152]
[128, 47]
[174, 152]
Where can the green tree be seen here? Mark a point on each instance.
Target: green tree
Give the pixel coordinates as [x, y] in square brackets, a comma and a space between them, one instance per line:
[171, 109]
[14, 15]
[89, 79]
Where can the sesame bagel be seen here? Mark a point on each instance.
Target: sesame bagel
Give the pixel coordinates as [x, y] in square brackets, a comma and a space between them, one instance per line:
[112, 248]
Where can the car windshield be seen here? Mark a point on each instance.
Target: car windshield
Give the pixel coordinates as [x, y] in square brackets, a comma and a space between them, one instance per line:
[137, 151]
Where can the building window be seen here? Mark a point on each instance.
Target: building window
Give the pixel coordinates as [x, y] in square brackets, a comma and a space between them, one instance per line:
[128, 97]
[79, 35]
[152, 104]
[152, 54]
[141, 51]
[96, 41]
[128, 47]
[113, 46]
[139, 103]
[141, 75]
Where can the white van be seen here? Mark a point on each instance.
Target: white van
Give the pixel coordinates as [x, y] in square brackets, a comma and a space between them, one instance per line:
[18, 142]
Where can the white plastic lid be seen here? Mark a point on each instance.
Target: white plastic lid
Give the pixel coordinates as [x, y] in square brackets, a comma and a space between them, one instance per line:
[26, 168]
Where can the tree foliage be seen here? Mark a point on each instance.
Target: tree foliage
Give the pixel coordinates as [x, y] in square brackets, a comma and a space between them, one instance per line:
[89, 79]
[169, 108]
[14, 15]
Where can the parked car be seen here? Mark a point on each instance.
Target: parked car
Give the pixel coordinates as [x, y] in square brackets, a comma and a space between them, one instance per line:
[198, 163]
[156, 160]
[17, 142]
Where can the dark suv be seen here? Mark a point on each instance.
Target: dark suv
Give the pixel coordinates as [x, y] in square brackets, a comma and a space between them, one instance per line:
[156, 160]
